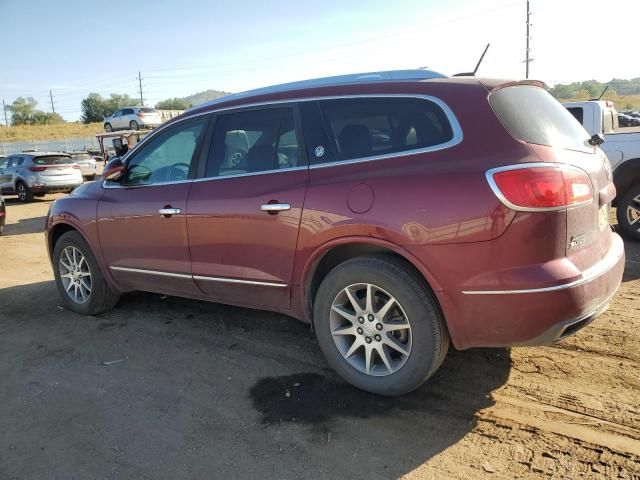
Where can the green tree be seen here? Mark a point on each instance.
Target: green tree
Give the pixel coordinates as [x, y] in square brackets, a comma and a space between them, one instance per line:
[95, 108]
[172, 104]
[117, 101]
[22, 110]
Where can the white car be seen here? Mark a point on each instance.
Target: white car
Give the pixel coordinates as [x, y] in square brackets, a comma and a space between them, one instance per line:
[622, 147]
[132, 118]
[88, 165]
[29, 175]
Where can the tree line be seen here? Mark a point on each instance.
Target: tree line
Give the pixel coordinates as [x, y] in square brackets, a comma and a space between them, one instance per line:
[94, 108]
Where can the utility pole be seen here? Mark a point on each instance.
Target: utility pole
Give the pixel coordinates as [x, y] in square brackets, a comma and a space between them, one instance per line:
[527, 60]
[4, 108]
[140, 84]
[53, 108]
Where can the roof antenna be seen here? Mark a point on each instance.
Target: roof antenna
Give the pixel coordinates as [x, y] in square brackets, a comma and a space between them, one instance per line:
[603, 92]
[473, 74]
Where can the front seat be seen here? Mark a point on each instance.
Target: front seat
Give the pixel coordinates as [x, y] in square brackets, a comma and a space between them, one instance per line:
[355, 141]
[260, 158]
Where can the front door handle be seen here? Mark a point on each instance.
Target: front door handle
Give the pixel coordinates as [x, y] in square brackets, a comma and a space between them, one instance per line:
[275, 207]
[168, 211]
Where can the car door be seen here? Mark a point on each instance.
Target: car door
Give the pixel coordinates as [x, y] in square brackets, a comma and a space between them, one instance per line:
[116, 119]
[4, 175]
[141, 219]
[244, 214]
[127, 116]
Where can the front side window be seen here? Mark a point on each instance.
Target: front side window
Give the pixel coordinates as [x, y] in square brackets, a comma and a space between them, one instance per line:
[4, 163]
[368, 127]
[167, 157]
[253, 141]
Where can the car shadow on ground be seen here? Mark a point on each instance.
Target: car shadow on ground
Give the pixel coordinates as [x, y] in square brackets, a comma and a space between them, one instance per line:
[249, 390]
[25, 226]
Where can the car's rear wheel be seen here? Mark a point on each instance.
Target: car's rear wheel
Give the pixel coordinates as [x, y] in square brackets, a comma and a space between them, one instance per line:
[24, 192]
[133, 125]
[108, 127]
[379, 326]
[82, 286]
[628, 212]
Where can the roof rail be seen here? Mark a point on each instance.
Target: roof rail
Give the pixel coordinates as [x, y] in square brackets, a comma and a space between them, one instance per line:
[370, 77]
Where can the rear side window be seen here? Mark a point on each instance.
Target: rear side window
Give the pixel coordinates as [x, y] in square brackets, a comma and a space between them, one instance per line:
[578, 113]
[253, 141]
[127, 111]
[52, 160]
[532, 115]
[368, 127]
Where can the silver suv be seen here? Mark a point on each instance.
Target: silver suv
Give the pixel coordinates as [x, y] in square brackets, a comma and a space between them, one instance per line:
[29, 175]
[133, 118]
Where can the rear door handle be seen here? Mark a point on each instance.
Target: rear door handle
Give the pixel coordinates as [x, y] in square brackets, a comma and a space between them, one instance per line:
[275, 207]
[167, 212]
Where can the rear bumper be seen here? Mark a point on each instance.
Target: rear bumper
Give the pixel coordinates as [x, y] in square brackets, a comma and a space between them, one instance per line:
[536, 316]
[66, 187]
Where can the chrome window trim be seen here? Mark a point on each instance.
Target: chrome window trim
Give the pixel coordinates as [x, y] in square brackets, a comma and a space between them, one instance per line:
[197, 277]
[453, 121]
[249, 174]
[498, 193]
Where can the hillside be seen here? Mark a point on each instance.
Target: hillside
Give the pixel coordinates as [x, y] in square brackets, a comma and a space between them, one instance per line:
[624, 93]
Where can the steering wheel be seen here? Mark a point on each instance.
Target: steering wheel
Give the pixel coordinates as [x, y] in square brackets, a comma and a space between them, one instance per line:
[178, 171]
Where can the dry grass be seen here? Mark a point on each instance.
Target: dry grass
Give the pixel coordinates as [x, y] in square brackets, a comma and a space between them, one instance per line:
[48, 132]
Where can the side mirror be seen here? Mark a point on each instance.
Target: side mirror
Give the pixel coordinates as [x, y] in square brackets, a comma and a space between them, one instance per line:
[596, 140]
[113, 170]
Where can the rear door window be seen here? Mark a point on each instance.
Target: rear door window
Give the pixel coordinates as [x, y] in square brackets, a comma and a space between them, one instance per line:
[253, 141]
[370, 127]
[578, 113]
[532, 115]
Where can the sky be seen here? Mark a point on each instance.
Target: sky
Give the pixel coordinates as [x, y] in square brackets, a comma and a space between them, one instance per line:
[74, 47]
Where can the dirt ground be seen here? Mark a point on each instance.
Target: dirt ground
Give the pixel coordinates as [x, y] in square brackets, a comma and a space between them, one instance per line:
[166, 388]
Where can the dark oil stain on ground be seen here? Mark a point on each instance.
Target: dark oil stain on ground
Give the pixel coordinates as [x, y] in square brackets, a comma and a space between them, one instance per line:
[461, 387]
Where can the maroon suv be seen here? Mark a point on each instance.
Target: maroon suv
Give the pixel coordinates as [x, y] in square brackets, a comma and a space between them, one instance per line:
[395, 211]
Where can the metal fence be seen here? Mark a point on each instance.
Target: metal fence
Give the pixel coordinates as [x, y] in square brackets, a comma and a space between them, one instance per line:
[68, 144]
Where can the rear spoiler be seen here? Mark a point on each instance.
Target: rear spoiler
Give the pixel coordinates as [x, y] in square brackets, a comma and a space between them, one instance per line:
[493, 85]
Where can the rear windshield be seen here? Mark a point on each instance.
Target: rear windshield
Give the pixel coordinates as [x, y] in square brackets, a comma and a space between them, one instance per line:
[532, 115]
[81, 156]
[52, 160]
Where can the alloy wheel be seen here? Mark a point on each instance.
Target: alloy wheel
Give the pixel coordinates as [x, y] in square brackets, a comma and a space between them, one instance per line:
[370, 329]
[22, 192]
[633, 213]
[75, 274]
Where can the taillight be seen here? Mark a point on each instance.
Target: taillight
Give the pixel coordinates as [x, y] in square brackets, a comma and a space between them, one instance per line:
[37, 169]
[540, 187]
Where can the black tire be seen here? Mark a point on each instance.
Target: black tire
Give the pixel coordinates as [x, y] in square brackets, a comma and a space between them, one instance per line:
[430, 338]
[108, 127]
[91, 178]
[24, 193]
[133, 125]
[101, 298]
[628, 204]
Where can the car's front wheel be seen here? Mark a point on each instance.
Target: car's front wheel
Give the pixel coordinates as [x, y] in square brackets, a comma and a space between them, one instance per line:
[82, 286]
[379, 326]
[628, 212]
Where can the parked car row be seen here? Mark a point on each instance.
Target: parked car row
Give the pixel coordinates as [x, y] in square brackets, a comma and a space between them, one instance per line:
[628, 119]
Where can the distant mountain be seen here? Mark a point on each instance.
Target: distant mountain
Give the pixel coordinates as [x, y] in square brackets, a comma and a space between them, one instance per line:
[198, 98]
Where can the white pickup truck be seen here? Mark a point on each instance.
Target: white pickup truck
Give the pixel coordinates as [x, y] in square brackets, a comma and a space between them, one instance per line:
[622, 147]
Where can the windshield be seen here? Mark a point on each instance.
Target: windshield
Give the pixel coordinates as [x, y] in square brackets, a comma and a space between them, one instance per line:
[532, 115]
[52, 160]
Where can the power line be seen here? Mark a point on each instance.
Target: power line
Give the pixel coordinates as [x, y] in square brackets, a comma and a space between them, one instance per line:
[528, 60]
